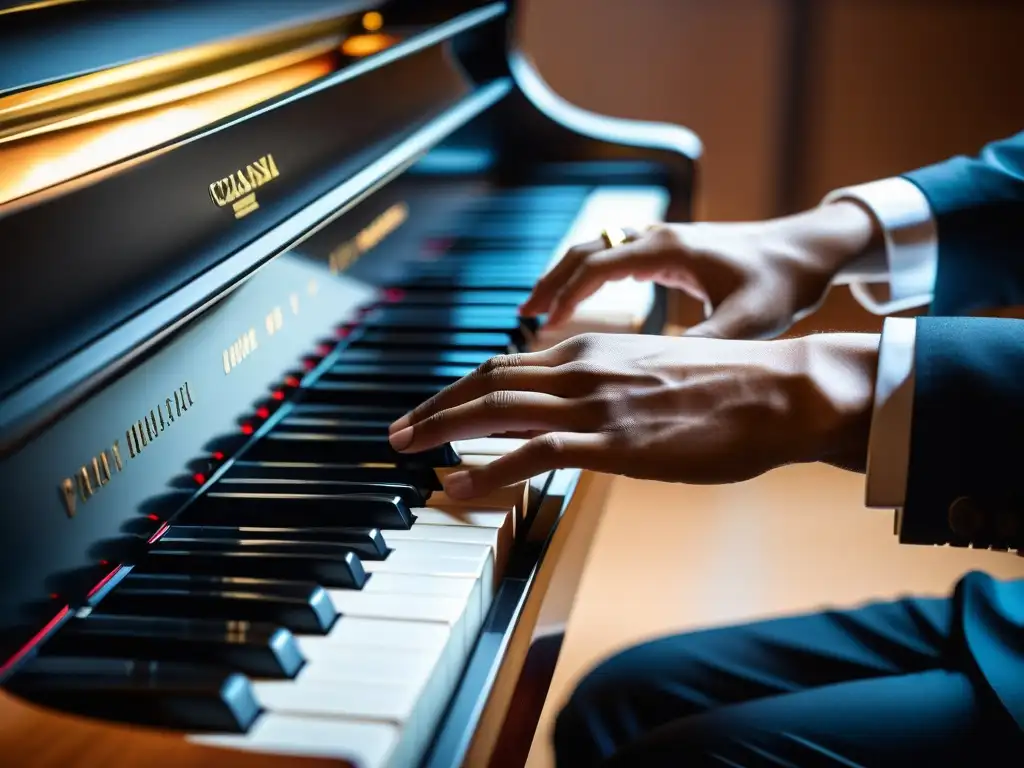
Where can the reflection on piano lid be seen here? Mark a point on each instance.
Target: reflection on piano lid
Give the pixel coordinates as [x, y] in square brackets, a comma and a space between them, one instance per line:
[204, 528]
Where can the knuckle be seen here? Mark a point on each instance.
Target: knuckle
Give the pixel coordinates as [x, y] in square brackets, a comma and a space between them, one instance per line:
[498, 363]
[500, 400]
[551, 446]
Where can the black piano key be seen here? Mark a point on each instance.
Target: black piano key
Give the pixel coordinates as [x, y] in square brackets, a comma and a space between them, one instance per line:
[368, 543]
[339, 426]
[180, 695]
[423, 479]
[439, 357]
[442, 319]
[310, 446]
[257, 649]
[439, 376]
[261, 545]
[299, 607]
[413, 496]
[482, 282]
[302, 510]
[491, 343]
[344, 571]
[510, 299]
[402, 396]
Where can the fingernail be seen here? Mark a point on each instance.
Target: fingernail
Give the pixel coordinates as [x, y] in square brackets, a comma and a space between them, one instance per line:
[399, 425]
[459, 485]
[401, 439]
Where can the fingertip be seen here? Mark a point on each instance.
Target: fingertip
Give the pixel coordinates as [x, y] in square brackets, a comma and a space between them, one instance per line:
[459, 485]
[401, 439]
[400, 424]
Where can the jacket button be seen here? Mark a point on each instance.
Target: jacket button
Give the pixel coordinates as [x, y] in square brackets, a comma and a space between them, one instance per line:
[965, 517]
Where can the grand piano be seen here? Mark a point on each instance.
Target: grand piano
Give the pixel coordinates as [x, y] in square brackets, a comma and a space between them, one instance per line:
[239, 238]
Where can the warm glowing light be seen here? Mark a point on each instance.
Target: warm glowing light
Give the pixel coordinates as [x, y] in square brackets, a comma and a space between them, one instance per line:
[263, 413]
[359, 46]
[31, 165]
[372, 21]
[247, 429]
[218, 455]
[200, 478]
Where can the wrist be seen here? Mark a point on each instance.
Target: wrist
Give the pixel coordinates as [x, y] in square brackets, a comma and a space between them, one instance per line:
[835, 381]
[827, 238]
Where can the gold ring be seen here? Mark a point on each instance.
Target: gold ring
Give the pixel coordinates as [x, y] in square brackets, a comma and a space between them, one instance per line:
[613, 237]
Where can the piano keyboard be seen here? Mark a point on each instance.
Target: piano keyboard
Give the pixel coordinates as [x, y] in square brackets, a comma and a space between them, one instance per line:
[322, 596]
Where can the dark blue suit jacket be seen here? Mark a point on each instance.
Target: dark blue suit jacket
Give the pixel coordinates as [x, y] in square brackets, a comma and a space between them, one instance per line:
[966, 476]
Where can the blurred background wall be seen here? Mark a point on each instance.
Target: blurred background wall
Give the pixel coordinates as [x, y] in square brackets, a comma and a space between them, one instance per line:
[792, 97]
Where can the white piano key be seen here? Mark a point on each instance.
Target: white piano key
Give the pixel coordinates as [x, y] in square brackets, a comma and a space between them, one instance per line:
[488, 446]
[438, 558]
[366, 744]
[489, 518]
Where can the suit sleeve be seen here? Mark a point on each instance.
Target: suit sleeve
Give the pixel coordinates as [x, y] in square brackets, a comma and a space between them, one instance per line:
[966, 453]
[978, 206]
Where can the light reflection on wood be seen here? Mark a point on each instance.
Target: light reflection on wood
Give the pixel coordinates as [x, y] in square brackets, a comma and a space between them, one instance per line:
[34, 164]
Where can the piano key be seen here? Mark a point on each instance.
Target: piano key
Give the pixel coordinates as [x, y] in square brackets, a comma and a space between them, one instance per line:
[333, 425]
[446, 298]
[254, 648]
[368, 543]
[488, 446]
[313, 445]
[344, 570]
[267, 546]
[400, 395]
[492, 343]
[306, 510]
[157, 693]
[423, 479]
[437, 375]
[299, 607]
[432, 558]
[470, 320]
[365, 744]
[412, 496]
[384, 357]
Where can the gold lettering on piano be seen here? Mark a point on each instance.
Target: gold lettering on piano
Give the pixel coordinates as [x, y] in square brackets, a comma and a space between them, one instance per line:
[239, 350]
[100, 470]
[346, 254]
[238, 189]
[274, 321]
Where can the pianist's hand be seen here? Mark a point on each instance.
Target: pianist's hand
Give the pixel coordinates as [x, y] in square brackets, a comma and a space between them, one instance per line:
[758, 278]
[676, 409]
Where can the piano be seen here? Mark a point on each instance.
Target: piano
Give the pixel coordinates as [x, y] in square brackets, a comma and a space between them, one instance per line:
[240, 238]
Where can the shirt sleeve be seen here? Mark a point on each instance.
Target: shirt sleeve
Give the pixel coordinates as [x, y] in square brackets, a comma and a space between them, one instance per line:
[909, 259]
[889, 438]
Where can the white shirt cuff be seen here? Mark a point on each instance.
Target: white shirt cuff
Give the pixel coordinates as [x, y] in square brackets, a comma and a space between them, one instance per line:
[889, 440]
[911, 240]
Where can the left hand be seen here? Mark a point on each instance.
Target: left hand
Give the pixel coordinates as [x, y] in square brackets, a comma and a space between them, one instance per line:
[687, 410]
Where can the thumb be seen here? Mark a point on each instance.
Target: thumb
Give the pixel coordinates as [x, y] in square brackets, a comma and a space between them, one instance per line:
[737, 317]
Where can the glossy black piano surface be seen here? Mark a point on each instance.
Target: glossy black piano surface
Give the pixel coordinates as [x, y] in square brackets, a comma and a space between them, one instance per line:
[196, 395]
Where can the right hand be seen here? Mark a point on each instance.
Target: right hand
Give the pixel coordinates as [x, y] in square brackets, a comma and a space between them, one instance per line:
[757, 278]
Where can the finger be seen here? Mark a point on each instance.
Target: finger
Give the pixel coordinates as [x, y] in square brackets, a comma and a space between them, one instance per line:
[737, 317]
[544, 291]
[636, 259]
[530, 371]
[494, 413]
[555, 450]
